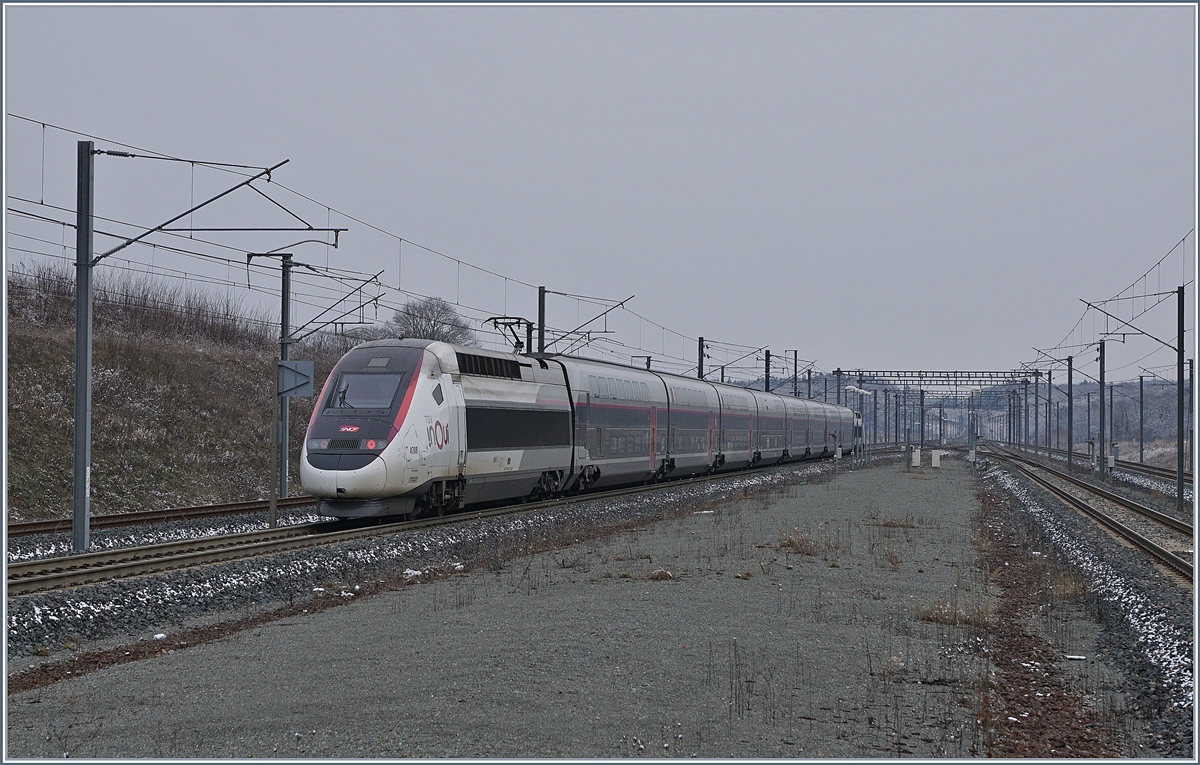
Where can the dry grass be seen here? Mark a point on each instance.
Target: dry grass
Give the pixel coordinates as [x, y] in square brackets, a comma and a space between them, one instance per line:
[181, 397]
[908, 522]
[893, 558]
[798, 542]
[1069, 585]
[947, 611]
[131, 304]
[893, 670]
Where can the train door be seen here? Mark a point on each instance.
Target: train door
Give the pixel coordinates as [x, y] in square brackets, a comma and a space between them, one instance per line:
[458, 424]
[752, 434]
[654, 438]
[711, 418]
[719, 432]
[583, 406]
[414, 456]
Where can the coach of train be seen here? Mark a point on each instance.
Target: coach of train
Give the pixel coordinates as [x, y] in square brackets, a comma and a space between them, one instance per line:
[412, 426]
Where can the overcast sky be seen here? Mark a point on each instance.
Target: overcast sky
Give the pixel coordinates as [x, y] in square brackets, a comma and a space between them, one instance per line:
[881, 188]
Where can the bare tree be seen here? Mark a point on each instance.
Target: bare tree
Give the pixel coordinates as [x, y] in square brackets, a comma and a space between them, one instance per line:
[431, 319]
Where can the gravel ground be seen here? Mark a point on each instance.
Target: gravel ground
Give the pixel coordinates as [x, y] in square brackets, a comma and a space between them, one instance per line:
[781, 615]
[51, 625]
[1146, 616]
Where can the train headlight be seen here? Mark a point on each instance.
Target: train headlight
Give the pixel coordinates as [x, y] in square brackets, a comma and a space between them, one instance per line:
[312, 443]
[318, 443]
[373, 444]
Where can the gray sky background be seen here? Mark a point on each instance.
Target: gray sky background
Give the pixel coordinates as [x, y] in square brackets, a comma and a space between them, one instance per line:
[884, 188]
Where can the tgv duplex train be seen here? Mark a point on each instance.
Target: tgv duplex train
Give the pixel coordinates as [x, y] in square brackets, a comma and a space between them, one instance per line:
[410, 426]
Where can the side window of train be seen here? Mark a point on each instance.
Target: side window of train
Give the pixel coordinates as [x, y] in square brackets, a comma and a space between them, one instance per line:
[645, 392]
[594, 386]
[437, 394]
[604, 387]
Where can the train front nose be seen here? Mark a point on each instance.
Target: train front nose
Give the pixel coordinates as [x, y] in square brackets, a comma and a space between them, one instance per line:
[349, 452]
[343, 475]
[365, 481]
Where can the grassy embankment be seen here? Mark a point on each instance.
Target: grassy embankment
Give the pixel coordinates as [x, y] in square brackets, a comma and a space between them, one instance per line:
[182, 385]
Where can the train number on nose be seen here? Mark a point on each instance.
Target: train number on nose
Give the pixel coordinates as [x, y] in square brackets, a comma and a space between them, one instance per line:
[439, 435]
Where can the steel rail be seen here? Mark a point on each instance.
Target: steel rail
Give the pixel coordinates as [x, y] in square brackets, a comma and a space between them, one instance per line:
[1163, 555]
[1152, 470]
[154, 516]
[53, 573]
[1135, 467]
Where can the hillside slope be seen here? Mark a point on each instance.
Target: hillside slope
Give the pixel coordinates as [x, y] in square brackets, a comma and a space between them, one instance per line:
[181, 407]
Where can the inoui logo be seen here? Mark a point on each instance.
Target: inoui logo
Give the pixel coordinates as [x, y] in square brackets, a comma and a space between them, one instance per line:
[438, 435]
[349, 429]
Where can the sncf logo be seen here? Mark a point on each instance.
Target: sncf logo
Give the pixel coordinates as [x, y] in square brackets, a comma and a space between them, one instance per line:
[349, 428]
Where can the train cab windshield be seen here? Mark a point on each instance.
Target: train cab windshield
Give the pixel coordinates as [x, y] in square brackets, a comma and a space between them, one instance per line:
[364, 390]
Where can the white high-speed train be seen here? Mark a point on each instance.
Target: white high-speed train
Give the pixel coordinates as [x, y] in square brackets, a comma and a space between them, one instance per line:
[410, 426]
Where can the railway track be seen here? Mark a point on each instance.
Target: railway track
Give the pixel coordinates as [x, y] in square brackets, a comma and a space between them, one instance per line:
[1162, 473]
[1176, 562]
[62, 525]
[91, 568]
[1129, 504]
[1166, 474]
